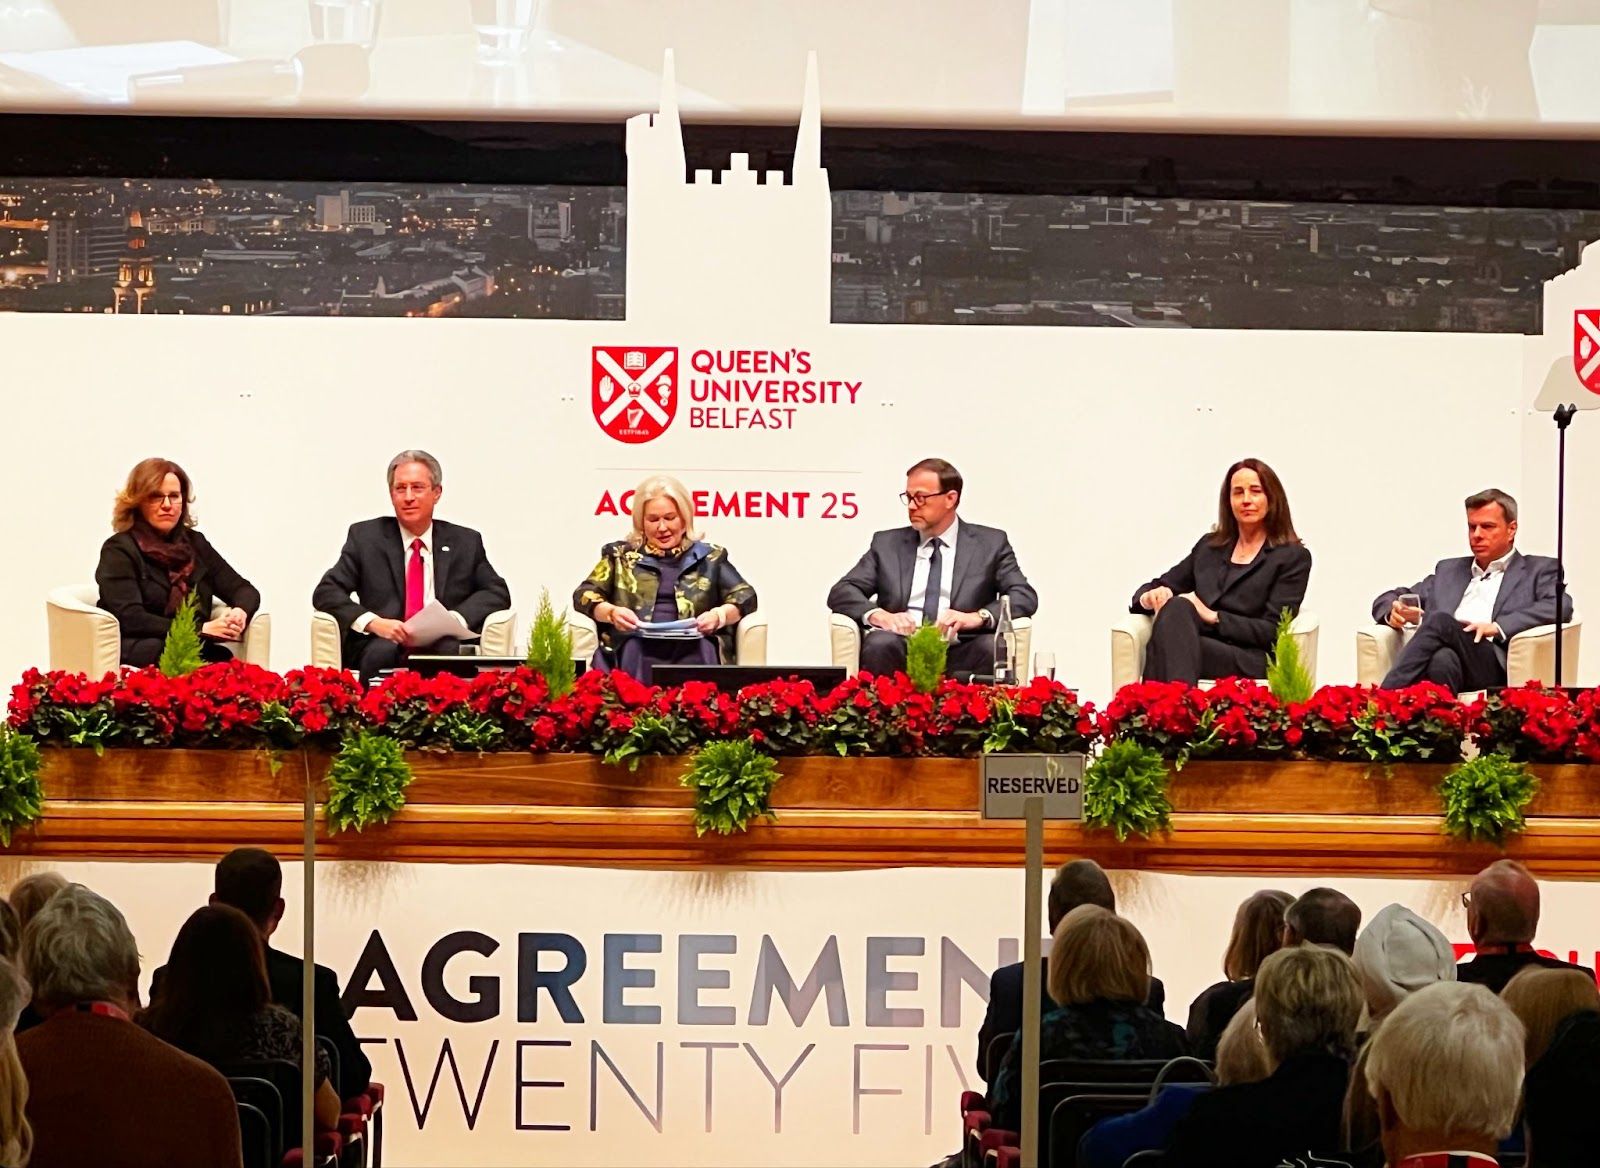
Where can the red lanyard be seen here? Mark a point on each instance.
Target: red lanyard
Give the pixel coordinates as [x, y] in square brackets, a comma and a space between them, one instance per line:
[104, 1009]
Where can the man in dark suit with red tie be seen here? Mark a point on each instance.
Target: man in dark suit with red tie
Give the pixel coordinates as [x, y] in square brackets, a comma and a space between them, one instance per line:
[391, 568]
[939, 571]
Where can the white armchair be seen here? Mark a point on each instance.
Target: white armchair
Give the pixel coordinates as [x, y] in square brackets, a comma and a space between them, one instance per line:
[85, 638]
[749, 638]
[1531, 655]
[499, 638]
[1131, 634]
[844, 639]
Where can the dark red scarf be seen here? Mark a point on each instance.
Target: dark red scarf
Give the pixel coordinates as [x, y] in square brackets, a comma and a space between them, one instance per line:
[173, 553]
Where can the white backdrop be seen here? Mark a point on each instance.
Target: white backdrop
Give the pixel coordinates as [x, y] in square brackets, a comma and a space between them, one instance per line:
[1100, 450]
[877, 1089]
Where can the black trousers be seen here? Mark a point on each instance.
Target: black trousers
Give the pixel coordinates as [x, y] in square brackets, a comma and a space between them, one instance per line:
[370, 655]
[1183, 648]
[141, 651]
[1442, 651]
[883, 652]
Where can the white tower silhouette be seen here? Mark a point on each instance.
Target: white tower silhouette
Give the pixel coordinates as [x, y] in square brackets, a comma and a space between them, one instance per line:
[740, 251]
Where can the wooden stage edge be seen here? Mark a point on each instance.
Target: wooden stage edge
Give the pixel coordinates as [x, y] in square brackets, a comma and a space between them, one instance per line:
[833, 814]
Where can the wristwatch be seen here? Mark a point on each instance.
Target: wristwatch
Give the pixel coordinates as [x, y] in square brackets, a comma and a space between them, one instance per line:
[988, 618]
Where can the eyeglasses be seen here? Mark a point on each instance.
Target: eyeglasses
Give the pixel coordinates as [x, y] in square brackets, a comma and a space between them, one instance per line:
[1466, 900]
[920, 497]
[160, 497]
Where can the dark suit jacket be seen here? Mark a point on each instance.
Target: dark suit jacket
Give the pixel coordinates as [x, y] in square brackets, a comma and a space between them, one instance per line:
[1297, 1109]
[1251, 601]
[1527, 596]
[1210, 1013]
[372, 566]
[985, 570]
[1496, 969]
[134, 590]
[284, 972]
[1004, 1015]
[1563, 1123]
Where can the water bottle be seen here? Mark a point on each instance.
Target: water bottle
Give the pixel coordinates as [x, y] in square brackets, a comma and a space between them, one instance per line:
[1005, 646]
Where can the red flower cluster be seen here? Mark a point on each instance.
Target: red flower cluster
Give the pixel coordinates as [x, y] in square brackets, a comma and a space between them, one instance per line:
[1421, 723]
[1538, 724]
[876, 715]
[1244, 718]
[1163, 715]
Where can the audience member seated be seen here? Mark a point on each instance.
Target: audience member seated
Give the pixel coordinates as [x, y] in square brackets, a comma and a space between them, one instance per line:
[392, 567]
[1241, 1058]
[1323, 916]
[1470, 607]
[156, 559]
[1257, 933]
[1308, 1004]
[1397, 954]
[1231, 587]
[1076, 882]
[215, 1003]
[10, 930]
[1445, 1069]
[251, 880]
[1560, 1010]
[102, 1091]
[1502, 918]
[28, 896]
[16, 1137]
[663, 572]
[1100, 981]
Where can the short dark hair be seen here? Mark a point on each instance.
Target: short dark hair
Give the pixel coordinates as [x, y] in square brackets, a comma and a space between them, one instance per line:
[949, 477]
[1079, 882]
[1490, 496]
[251, 881]
[1325, 916]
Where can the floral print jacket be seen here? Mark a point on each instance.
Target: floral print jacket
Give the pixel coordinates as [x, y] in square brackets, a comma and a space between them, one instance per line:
[625, 576]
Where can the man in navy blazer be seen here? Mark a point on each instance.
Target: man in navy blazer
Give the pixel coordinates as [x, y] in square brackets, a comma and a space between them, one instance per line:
[390, 568]
[1472, 606]
[940, 571]
[1076, 882]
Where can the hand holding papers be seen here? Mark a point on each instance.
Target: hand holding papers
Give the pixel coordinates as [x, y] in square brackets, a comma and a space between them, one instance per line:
[678, 630]
[433, 623]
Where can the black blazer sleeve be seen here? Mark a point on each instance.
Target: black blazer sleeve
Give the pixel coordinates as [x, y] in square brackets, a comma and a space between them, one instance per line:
[855, 594]
[117, 577]
[355, 1069]
[1004, 1014]
[1542, 611]
[489, 591]
[226, 584]
[1012, 583]
[1179, 578]
[1288, 591]
[332, 594]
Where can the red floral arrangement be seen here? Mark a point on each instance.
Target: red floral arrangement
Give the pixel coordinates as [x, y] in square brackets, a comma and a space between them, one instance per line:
[866, 714]
[1043, 717]
[1163, 715]
[1244, 719]
[1421, 723]
[782, 717]
[1536, 724]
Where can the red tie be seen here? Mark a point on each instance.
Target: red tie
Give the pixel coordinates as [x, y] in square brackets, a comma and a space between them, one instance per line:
[414, 580]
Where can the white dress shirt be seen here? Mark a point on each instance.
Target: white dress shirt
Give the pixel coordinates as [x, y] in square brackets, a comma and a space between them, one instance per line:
[947, 570]
[359, 625]
[1477, 602]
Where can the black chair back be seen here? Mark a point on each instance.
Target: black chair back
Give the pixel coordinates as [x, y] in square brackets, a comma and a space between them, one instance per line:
[1101, 1070]
[1076, 1114]
[285, 1078]
[999, 1045]
[325, 1044]
[256, 1137]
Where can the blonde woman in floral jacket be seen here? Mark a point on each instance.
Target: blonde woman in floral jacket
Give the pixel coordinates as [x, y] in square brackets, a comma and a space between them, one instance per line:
[663, 572]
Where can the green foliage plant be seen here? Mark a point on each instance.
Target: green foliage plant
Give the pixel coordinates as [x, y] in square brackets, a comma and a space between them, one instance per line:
[926, 650]
[366, 782]
[180, 655]
[1484, 798]
[549, 649]
[732, 782]
[1125, 791]
[1287, 675]
[21, 796]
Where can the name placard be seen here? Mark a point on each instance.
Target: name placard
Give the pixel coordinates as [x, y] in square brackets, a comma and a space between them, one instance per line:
[1007, 781]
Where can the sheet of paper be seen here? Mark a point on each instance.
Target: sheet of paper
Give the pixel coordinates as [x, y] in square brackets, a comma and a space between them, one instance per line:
[678, 630]
[435, 621]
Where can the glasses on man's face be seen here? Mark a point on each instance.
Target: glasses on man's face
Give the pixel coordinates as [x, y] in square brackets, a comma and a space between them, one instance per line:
[1466, 900]
[921, 497]
[160, 497]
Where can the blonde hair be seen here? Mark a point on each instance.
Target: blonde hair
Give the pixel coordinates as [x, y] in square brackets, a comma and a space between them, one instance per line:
[16, 1135]
[1308, 998]
[1097, 956]
[144, 480]
[1257, 933]
[1542, 999]
[662, 487]
[1241, 1055]
[31, 893]
[1447, 1059]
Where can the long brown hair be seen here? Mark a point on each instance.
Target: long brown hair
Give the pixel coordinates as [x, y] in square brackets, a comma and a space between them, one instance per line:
[1280, 527]
[1257, 933]
[144, 480]
[215, 983]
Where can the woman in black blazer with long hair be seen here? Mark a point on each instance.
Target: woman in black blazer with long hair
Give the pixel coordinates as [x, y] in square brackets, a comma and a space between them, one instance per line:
[156, 558]
[1217, 610]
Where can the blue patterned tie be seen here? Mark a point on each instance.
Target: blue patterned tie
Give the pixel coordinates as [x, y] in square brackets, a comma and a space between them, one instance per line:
[930, 600]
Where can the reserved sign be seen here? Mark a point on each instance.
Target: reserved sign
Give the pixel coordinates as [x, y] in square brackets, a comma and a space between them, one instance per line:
[1008, 781]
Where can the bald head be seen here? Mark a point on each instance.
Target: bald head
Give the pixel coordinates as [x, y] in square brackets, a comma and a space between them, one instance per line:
[1504, 905]
[1323, 916]
[1079, 882]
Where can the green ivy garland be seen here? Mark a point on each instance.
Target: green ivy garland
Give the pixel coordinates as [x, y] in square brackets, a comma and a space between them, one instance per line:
[1125, 791]
[366, 782]
[732, 783]
[1484, 799]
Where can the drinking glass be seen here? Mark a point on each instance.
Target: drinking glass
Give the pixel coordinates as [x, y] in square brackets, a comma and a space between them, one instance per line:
[1411, 600]
[1044, 665]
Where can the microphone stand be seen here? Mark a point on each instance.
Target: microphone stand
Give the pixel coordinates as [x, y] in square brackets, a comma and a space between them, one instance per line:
[1563, 417]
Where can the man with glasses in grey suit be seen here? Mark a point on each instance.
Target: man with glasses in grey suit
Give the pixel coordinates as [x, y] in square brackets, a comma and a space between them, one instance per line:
[941, 571]
[1468, 610]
